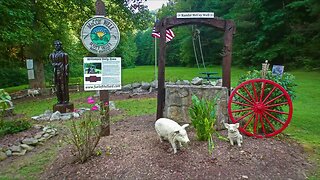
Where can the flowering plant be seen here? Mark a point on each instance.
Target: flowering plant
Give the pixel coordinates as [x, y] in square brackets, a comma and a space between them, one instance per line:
[85, 133]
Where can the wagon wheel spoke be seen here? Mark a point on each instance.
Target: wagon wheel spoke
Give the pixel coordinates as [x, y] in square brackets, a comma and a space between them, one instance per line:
[240, 103]
[274, 88]
[248, 122]
[237, 120]
[276, 111]
[279, 104]
[241, 110]
[249, 94]
[262, 91]
[281, 95]
[255, 123]
[254, 91]
[276, 119]
[268, 121]
[262, 124]
[244, 98]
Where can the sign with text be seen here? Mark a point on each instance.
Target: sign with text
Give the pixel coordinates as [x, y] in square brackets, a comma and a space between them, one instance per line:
[100, 35]
[102, 73]
[195, 15]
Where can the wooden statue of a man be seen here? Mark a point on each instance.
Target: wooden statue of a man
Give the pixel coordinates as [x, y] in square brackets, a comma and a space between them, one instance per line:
[59, 61]
[60, 65]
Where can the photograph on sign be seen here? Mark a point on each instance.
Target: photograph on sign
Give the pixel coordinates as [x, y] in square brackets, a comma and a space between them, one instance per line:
[92, 68]
[102, 73]
[100, 35]
[277, 70]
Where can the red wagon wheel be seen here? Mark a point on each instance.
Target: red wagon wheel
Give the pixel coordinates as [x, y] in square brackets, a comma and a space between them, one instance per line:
[262, 107]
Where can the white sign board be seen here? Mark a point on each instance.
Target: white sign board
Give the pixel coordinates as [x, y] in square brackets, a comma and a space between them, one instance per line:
[102, 73]
[100, 35]
[29, 63]
[195, 15]
[30, 74]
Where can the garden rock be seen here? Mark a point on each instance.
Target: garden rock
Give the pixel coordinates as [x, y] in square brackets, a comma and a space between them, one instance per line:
[55, 116]
[145, 86]
[3, 156]
[127, 87]
[8, 152]
[30, 141]
[136, 85]
[154, 84]
[15, 148]
[21, 153]
[27, 147]
[196, 81]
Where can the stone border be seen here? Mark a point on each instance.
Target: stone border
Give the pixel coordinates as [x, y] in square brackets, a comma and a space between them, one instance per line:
[27, 144]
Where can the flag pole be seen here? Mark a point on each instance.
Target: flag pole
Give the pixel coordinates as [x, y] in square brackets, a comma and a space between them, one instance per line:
[155, 53]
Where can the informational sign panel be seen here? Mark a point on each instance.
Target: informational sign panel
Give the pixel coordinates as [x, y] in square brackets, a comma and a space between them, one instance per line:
[102, 73]
[29, 63]
[195, 15]
[30, 74]
[100, 35]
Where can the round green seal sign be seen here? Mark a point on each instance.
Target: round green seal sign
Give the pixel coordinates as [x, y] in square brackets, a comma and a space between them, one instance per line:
[100, 35]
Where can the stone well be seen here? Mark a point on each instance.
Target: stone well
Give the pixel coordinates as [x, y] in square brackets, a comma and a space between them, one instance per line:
[178, 101]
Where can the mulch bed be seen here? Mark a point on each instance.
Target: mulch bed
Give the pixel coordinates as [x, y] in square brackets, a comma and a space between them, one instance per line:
[133, 151]
[136, 153]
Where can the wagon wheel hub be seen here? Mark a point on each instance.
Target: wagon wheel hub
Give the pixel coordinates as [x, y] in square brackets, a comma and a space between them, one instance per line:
[259, 108]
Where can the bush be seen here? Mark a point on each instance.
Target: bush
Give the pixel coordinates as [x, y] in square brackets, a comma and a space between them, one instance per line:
[85, 135]
[13, 126]
[286, 81]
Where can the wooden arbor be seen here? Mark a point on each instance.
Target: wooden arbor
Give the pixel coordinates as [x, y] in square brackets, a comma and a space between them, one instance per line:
[227, 26]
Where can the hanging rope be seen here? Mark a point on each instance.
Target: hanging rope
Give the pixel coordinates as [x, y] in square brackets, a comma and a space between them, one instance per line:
[196, 35]
[198, 32]
[194, 48]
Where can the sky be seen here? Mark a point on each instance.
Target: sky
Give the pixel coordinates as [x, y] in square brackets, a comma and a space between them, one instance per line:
[155, 4]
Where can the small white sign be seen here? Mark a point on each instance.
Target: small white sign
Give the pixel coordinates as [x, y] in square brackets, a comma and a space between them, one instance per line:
[30, 74]
[195, 15]
[29, 63]
[102, 73]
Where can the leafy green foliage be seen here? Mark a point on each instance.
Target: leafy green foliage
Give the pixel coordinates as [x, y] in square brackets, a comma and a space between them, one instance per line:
[287, 81]
[202, 114]
[14, 126]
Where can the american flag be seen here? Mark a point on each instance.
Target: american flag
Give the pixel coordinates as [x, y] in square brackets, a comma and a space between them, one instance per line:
[169, 34]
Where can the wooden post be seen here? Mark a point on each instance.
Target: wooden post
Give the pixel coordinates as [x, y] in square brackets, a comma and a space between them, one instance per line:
[104, 94]
[161, 72]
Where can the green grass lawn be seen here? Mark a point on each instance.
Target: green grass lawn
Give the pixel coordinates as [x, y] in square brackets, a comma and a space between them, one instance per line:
[304, 127]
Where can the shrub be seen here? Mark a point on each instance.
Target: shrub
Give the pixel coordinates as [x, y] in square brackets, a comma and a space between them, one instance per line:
[85, 134]
[14, 126]
[286, 81]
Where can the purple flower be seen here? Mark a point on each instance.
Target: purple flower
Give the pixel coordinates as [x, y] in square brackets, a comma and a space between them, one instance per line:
[90, 100]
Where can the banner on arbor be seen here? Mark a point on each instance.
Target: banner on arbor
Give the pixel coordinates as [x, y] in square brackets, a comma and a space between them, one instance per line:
[102, 73]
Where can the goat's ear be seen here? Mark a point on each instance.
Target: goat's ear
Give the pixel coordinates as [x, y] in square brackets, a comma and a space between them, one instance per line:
[184, 126]
[226, 125]
[237, 125]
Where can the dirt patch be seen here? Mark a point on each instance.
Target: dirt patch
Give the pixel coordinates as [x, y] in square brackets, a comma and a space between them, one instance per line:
[133, 151]
[136, 153]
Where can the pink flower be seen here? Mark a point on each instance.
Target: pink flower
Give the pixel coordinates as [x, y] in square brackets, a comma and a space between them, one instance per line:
[106, 103]
[90, 100]
[94, 108]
